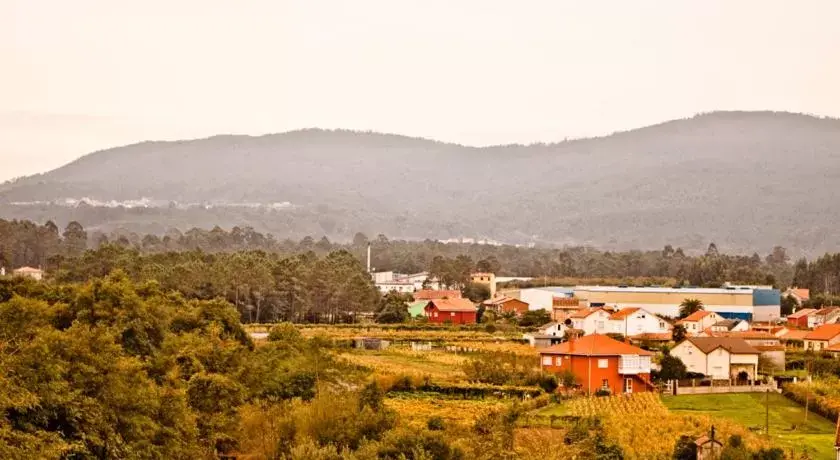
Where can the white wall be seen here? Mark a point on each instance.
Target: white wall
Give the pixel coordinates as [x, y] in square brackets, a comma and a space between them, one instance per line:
[596, 323]
[537, 299]
[639, 322]
[691, 356]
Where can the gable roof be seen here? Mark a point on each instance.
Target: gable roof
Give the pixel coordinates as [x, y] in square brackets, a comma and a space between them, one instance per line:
[585, 312]
[801, 312]
[548, 326]
[824, 332]
[429, 294]
[452, 305]
[794, 334]
[727, 323]
[502, 300]
[27, 270]
[731, 344]
[697, 315]
[624, 313]
[803, 294]
[826, 311]
[594, 345]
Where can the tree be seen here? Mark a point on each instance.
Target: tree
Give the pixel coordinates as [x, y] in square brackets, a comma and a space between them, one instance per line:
[685, 449]
[393, 308]
[689, 306]
[788, 304]
[671, 368]
[534, 318]
[75, 239]
[679, 333]
[489, 265]
[476, 292]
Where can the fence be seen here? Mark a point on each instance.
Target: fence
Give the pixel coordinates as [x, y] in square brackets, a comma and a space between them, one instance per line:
[718, 387]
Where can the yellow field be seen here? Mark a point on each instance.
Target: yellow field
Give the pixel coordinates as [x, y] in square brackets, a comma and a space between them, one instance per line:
[440, 366]
[416, 411]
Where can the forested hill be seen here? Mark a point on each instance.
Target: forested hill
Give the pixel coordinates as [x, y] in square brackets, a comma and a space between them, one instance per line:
[746, 180]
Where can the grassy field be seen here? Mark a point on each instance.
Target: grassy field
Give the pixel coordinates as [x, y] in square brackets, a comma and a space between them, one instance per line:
[440, 366]
[788, 427]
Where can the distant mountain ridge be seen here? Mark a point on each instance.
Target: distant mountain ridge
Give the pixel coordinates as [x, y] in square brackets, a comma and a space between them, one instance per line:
[745, 180]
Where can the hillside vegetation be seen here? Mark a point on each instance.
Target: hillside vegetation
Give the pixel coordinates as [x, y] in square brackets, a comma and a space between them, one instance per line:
[746, 180]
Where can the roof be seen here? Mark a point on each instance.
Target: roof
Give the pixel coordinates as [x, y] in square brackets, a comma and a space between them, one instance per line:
[502, 300]
[803, 294]
[800, 313]
[771, 347]
[703, 440]
[746, 335]
[740, 290]
[727, 323]
[654, 336]
[429, 294]
[550, 325]
[594, 345]
[584, 312]
[794, 334]
[826, 311]
[624, 313]
[452, 305]
[824, 332]
[27, 270]
[697, 315]
[565, 302]
[731, 344]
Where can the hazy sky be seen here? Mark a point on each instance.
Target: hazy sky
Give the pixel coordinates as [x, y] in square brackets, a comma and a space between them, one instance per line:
[81, 75]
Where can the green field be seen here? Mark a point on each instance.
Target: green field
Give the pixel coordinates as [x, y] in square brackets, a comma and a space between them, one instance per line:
[787, 419]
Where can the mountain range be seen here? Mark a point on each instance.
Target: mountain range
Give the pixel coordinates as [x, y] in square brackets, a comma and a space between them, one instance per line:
[745, 180]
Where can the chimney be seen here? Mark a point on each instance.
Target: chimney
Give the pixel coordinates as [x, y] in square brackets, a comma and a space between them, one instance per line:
[368, 258]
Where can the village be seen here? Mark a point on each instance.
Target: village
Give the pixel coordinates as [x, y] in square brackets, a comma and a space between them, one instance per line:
[696, 348]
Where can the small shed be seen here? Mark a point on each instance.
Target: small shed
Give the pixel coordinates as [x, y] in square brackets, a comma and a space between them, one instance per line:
[708, 448]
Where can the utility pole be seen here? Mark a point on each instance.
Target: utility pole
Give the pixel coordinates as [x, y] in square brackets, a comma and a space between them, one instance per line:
[807, 387]
[767, 412]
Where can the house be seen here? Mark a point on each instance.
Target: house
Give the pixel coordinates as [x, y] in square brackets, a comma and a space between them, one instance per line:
[720, 358]
[700, 320]
[800, 318]
[505, 304]
[827, 315]
[799, 295]
[772, 329]
[548, 335]
[395, 286]
[34, 273]
[417, 279]
[708, 448]
[488, 279]
[822, 337]
[590, 320]
[599, 362]
[730, 325]
[563, 307]
[794, 338]
[455, 311]
[633, 321]
[429, 294]
[770, 346]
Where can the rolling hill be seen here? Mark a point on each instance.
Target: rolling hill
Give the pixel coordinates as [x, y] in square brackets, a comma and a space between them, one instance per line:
[745, 180]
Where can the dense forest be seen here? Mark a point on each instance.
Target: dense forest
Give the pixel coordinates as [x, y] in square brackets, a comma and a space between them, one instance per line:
[276, 278]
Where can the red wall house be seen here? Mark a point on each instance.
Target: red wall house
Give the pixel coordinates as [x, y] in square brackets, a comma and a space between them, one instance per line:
[506, 304]
[599, 362]
[455, 311]
[800, 318]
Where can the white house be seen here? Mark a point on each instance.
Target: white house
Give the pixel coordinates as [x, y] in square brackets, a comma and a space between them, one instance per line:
[591, 320]
[35, 273]
[395, 286]
[548, 335]
[720, 358]
[699, 321]
[730, 325]
[634, 321]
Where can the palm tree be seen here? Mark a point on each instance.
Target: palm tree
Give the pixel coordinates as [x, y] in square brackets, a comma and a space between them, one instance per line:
[689, 306]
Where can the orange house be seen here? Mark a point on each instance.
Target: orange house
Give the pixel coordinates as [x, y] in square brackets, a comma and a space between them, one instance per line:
[505, 304]
[600, 363]
[455, 311]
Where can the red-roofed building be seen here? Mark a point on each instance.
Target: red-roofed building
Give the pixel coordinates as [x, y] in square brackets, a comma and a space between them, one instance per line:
[799, 295]
[823, 337]
[600, 363]
[591, 320]
[800, 318]
[699, 321]
[455, 311]
[635, 321]
[429, 294]
[505, 304]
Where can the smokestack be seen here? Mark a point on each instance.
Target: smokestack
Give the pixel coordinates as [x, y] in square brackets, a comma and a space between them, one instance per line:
[368, 258]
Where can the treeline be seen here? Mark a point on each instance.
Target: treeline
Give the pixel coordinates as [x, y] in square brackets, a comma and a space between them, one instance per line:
[25, 243]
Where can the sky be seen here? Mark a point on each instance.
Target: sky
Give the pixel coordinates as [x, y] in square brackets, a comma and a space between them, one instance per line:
[83, 75]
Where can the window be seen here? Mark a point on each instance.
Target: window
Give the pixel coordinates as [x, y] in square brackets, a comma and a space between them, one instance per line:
[452, 313]
[628, 385]
[662, 325]
[602, 363]
[435, 314]
[558, 361]
[605, 384]
[546, 361]
[600, 325]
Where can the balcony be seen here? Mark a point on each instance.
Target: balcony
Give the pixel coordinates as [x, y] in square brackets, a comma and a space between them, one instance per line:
[633, 364]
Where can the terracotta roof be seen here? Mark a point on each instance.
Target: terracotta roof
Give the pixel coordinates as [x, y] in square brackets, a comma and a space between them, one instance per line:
[824, 332]
[731, 344]
[624, 313]
[584, 312]
[565, 302]
[501, 300]
[594, 345]
[452, 304]
[429, 294]
[697, 315]
[746, 335]
[770, 347]
[803, 294]
[794, 334]
[800, 313]
[655, 336]
[826, 311]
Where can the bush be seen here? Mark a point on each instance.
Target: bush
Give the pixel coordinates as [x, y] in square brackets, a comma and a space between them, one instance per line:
[490, 328]
[435, 423]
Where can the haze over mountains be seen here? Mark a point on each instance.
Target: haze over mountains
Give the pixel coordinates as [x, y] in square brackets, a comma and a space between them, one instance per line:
[745, 180]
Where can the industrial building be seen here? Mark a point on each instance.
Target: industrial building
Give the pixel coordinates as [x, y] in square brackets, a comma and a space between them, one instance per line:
[751, 303]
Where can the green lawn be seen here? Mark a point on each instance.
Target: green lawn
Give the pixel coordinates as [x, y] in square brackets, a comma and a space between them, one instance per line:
[787, 419]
